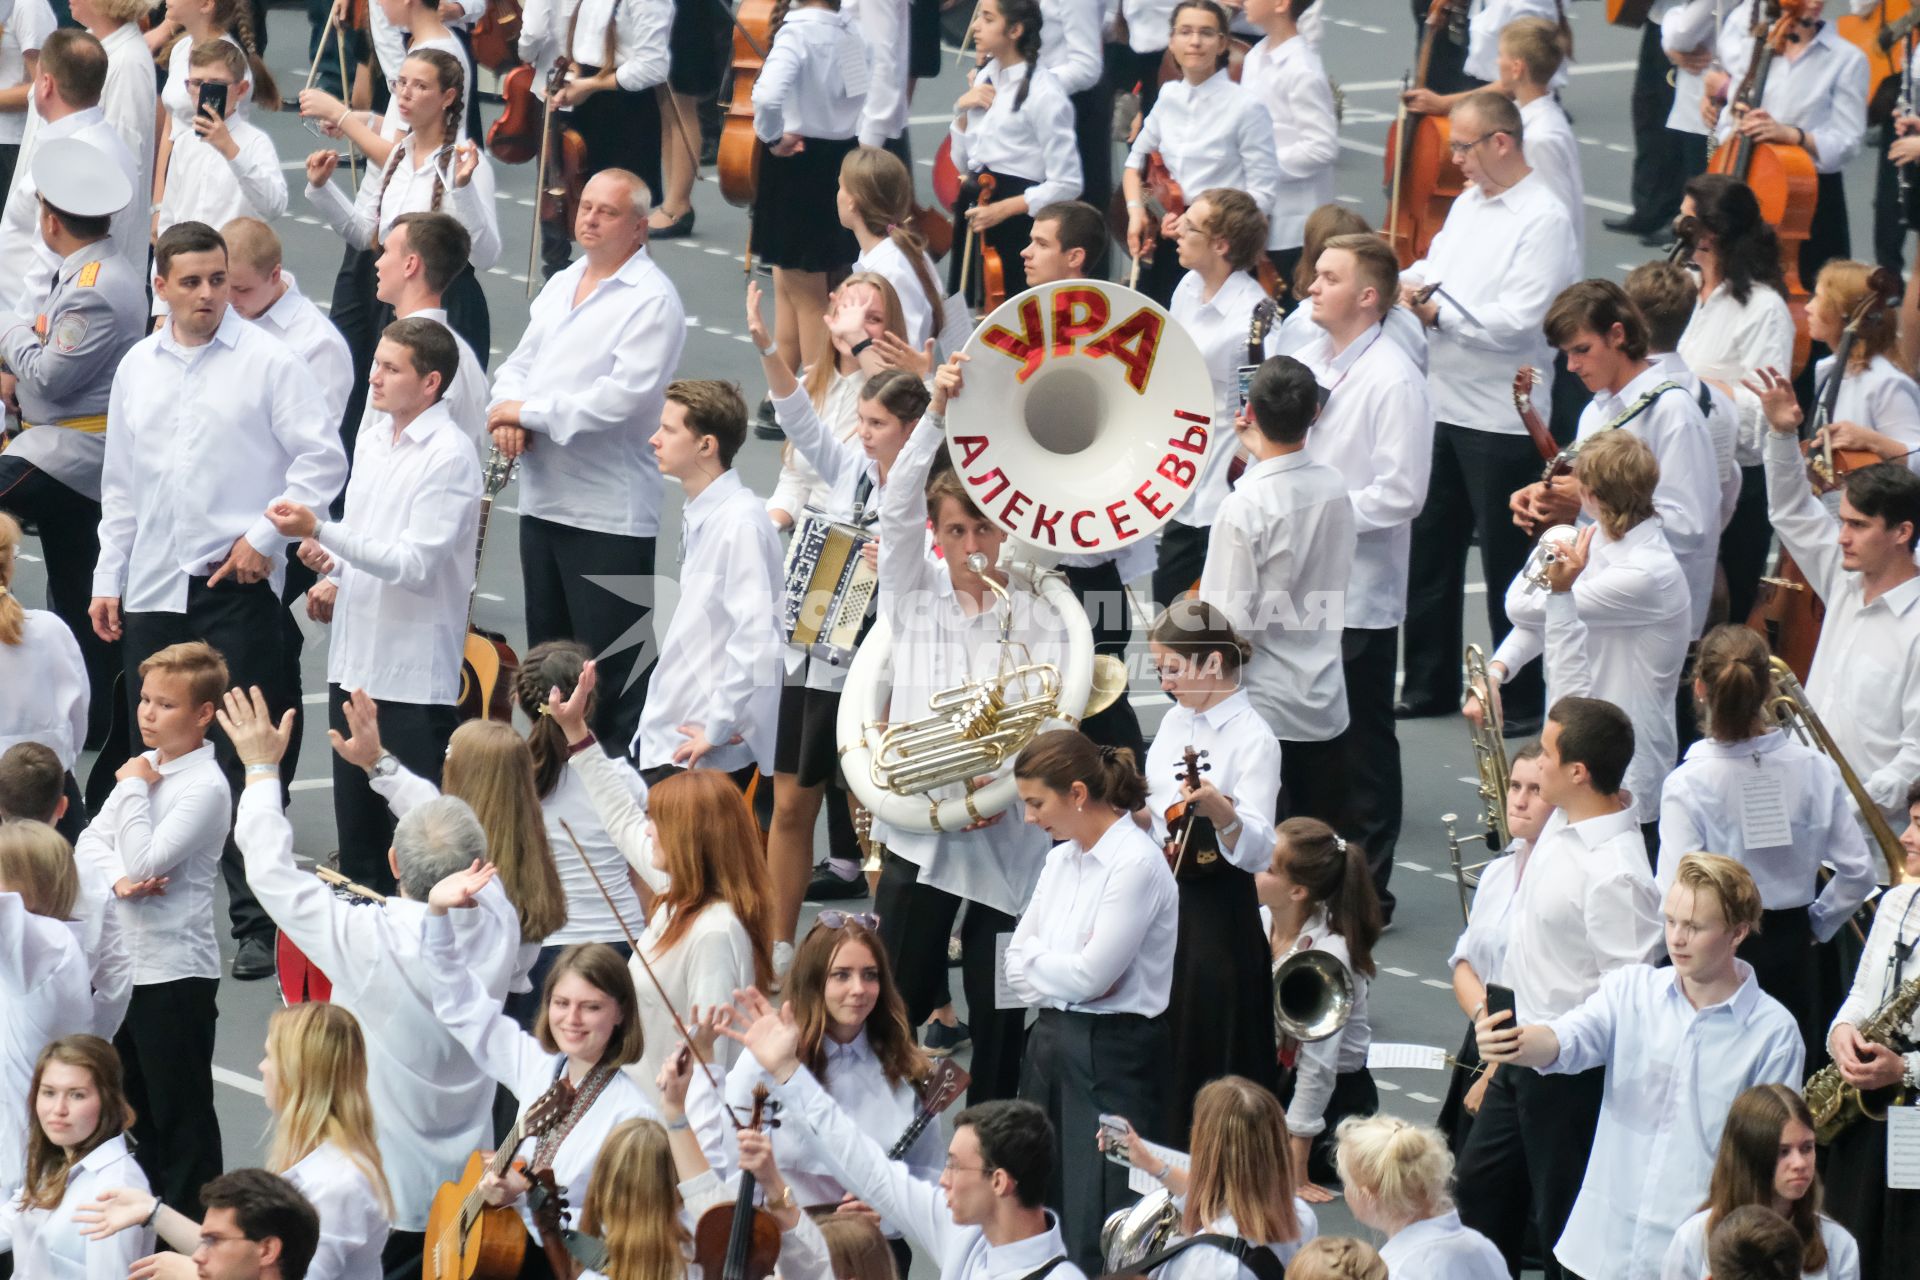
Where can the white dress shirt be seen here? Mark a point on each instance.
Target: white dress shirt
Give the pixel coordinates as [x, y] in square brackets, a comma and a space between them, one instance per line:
[1148, 22]
[1621, 634]
[1483, 943]
[1298, 332]
[405, 185]
[589, 918]
[49, 1245]
[96, 927]
[1865, 681]
[721, 657]
[1723, 429]
[1824, 91]
[1289, 81]
[1687, 1256]
[435, 1104]
[175, 828]
[353, 1225]
[1882, 396]
[43, 993]
[1322, 1062]
[1505, 258]
[1207, 1263]
[639, 29]
[1212, 134]
[46, 660]
[941, 639]
[1098, 936]
[1242, 762]
[916, 306]
[814, 82]
[1489, 19]
[1376, 429]
[1071, 48]
[516, 1060]
[1728, 341]
[1033, 141]
[1705, 798]
[311, 334]
[1441, 1248]
[1882, 969]
[592, 380]
[1554, 153]
[24, 27]
[1673, 1071]
[883, 28]
[1279, 561]
[200, 440]
[1586, 906]
[127, 100]
[1690, 26]
[1218, 326]
[404, 557]
[858, 1162]
[27, 265]
[205, 186]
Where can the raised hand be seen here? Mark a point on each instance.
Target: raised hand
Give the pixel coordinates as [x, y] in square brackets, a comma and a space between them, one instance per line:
[248, 724]
[363, 723]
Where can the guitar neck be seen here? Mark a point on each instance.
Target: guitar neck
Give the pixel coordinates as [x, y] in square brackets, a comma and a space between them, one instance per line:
[498, 1166]
[921, 1119]
[479, 553]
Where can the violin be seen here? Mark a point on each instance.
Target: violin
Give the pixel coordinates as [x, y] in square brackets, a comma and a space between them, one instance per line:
[993, 274]
[737, 1241]
[1193, 846]
[1827, 466]
[562, 175]
[514, 137]
[740, 147]
[496, 39]
[1422, 177]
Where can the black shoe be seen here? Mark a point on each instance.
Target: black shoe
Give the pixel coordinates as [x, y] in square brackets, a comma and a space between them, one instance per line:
[1631, 224]
[942, 1041]
[765, 425]
[680, 227]
[827, 886]
[1658, 238]
[1421, 710]
[253, 958]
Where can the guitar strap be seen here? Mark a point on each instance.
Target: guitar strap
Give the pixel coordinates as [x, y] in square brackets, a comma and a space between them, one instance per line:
[1045, 1269]
[1254, 1257]
[1644, 403]
[583, 1098]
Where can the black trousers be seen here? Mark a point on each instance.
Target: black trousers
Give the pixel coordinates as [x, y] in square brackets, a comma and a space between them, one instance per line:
[1183, 555]
[1783, 956]
[166, 1046]
[1313, 782]
[242, 621]
[915, 922]
[401, 1259]
[1355, 1093]
[1008, 238]
[1448, 71]
[1744, 544]
[1079, 1067]
[1104, 597]
[68, 523]
[1830, 237]
[1093, 136]
[1889, 213]
[1474, 474]
[1658, 172]
[1526, 1156]
[1372, 746]
[1160, 274]
[1128, 71]
[416, 733]
[556, 562]
[354, 313]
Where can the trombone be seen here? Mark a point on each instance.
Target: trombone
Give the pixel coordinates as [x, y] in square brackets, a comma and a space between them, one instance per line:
[1792, 711]
[1490, 761]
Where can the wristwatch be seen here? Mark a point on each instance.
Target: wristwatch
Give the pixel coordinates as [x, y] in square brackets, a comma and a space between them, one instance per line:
[385, 767]
[783, 1201]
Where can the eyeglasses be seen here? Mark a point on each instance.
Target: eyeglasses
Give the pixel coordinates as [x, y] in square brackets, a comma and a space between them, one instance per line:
[1195, 33]
[836, 919]
[1461, 148]
[951, 1167]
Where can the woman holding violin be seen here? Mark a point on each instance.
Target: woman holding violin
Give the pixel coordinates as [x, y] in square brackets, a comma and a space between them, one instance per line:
[1013, 138]
[1205, 131]
[1214, 819]
[1876, 407]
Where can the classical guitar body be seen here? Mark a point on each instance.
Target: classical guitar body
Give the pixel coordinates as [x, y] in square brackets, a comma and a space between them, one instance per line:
[489, 1247]
[1628, 13]
[487, 670]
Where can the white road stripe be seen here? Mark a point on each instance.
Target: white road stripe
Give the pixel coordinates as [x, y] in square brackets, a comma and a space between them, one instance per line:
[244, 1083]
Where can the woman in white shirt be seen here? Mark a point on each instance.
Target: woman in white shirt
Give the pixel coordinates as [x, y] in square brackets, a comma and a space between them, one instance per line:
[1766, 1159]
[38, 652]
[1714, 801]
[1284, 72]
[1239, 1182]
[1319, 896]
[1221, 1011]
[1093, 952]
[876, 204]
[76, 1150]
[1877, 403]
[1396, 1175]
[375, 134]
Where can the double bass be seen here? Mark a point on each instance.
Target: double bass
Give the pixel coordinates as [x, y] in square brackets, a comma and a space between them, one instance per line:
[740, 147]
[1422, 178]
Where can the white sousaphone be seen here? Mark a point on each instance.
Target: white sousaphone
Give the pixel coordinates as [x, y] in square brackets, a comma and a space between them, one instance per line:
[1086, 421]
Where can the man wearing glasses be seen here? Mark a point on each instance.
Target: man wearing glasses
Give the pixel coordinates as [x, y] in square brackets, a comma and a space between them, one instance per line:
[1505, 252]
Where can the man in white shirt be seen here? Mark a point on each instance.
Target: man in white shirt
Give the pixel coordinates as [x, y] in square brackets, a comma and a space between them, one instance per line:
[400, 568]
[24, 25]
[1678, 1046]
[421, 257]
[434, 1103]
[1586, 906]
[1865, 678]
[1503, 255]
[1279, 564]
[210, 419]
[1530, 58]
[1376, 429]
[265, 292]
[579, 397]
[1284, 72]
[128, 97]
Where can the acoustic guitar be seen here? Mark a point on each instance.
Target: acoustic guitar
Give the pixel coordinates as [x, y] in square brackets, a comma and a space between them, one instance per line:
[469, 1239]
[488, 665]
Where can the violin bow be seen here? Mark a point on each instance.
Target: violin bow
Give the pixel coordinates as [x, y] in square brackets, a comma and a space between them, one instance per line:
[320, 50]
[686, 1036]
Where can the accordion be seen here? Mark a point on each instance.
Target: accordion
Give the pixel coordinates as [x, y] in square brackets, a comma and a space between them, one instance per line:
[830, 587]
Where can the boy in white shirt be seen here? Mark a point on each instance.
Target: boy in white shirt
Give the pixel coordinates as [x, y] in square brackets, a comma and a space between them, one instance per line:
[227, 167]
[161, 836]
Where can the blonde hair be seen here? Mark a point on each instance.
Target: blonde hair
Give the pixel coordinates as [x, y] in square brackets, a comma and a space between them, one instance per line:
[491, 767]
[633, 1204]
[1402, 1166]
[1240, 1162]
[882, 193]
[321, 1059]
[1337, 1258]
[856, 1250]
[1536, 43]
[1845, 282]
[196, 662]
[13, 614]
[818, 376]
[48, 1164]
[1730, 883]
[253, 242]
[121, 10]
[36, 862]
[1621, 473]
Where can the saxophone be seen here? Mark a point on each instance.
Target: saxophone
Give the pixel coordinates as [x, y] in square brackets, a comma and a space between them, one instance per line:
[1835, 1104]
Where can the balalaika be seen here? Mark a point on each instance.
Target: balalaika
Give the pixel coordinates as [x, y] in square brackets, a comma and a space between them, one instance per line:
[830, 587]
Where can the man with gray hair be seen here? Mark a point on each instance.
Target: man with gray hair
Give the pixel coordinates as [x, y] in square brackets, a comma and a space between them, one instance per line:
[433, 1102]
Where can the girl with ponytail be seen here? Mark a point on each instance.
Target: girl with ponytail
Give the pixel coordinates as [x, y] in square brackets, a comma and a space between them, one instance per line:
[1318, 896]
[38, 652]
[876, 204]
[1706, 805]
[1093, 952]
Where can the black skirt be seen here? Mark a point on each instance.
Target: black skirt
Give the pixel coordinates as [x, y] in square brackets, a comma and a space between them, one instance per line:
[1221, 1010]
[796, 225]
[1886, 1223]
[697, 48]
[1007, 239]
[1354, 1094]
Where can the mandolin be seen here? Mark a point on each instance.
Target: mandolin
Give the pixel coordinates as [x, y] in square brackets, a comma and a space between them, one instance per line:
[488, 665]
[940, 1089]
[1193, 846]
[469, 1239]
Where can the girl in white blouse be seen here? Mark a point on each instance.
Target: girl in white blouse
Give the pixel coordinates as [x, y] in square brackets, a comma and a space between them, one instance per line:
[1284, 72]
[1319, 896]
[1396, 1175]
[38, 652]
[76, 1149]
[876, 204]
[1221, 1013]
[1766, 1159]
[372, 133]
[1878, 403]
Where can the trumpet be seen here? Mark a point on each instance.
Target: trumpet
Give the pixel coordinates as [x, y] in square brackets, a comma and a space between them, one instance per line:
[1552, 546]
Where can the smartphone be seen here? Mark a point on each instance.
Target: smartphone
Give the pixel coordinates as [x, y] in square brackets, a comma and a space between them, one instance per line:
[1243, 379]
[214, 96]
[1498, 998]
[1116, 1130]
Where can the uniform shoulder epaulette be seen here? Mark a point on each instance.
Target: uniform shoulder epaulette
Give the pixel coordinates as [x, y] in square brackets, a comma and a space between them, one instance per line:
[88, 275]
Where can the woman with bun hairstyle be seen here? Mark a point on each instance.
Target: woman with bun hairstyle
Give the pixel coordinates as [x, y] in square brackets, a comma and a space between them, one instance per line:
[1396, 1175]
[1093, 952]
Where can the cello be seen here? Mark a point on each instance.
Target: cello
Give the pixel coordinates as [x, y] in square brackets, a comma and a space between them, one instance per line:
[740, 147]
[1782, 177]
[1422, 178]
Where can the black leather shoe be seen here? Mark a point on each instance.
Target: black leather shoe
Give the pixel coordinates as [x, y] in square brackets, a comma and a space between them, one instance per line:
[680, 227]
[765, 425]
[1421, 710]
[253, 959]
[827, 886]
[1631, 224]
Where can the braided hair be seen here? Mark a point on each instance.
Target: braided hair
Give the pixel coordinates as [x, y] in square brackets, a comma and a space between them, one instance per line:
[780, 10]
[236, 18]
[452, 76]
[1024, 14]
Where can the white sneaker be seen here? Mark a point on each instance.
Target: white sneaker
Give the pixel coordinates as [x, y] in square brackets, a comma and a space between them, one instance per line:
[782, 959]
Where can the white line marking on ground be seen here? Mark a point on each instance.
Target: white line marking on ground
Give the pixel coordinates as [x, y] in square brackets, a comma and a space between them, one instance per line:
[244, 1083]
